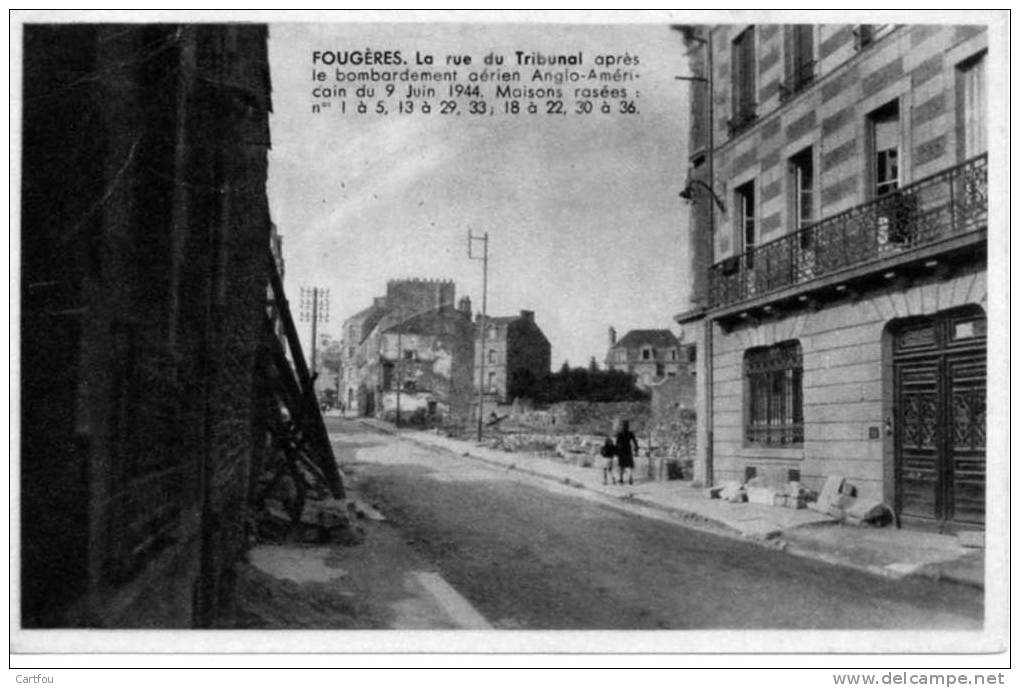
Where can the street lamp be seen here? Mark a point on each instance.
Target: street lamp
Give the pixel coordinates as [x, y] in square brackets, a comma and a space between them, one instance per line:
[687, 193]
[481, 330]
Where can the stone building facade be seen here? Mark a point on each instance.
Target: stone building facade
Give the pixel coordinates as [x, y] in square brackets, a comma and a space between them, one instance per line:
[511, 345]
[651, 356]
[145, 254]
[838, 188]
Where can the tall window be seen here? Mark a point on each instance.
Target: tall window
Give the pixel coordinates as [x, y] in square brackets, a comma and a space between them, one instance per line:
[774, 395]
[972, 107]
[802, 187]
[492, 382]
[745, 217]
[885, 148]
[492, 356]
[800, 57]
[743, 79]
[646, 354]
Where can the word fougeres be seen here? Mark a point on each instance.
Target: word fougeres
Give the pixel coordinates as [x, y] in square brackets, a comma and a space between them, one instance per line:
[357, 57]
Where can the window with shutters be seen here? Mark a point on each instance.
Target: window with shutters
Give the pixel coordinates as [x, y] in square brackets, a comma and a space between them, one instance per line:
[802, 193]
[799, 51]
[743, 75]
[972, 104]
[745, 218]
[885, 149]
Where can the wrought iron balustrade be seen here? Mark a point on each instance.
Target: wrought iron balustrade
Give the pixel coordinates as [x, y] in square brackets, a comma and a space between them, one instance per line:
[950, 203]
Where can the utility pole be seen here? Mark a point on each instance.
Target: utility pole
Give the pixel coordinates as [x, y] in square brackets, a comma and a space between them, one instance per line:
[314, 308]
[400, 362]
[481, 330]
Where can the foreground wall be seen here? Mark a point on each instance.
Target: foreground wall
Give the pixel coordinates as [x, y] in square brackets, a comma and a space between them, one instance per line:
[145, 236]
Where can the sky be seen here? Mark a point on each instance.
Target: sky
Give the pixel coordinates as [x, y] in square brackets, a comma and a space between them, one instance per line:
[582, 212]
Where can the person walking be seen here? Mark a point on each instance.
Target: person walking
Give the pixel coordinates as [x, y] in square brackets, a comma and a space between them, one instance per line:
[626, 448]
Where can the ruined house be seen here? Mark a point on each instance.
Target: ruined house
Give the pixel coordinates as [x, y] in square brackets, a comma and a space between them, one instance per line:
[411, 347]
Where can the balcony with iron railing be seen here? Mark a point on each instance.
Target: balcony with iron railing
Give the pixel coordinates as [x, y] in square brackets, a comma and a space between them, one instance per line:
[945, 211]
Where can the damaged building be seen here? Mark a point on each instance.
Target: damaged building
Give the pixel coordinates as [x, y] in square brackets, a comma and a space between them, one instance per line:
[410, 351]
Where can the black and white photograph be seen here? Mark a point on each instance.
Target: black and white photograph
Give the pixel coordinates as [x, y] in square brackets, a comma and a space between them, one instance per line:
[495, 332]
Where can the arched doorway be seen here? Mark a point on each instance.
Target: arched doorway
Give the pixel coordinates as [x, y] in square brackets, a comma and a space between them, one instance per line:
[939, 378]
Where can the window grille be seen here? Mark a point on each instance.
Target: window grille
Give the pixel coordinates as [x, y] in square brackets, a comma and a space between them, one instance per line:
[774, 377]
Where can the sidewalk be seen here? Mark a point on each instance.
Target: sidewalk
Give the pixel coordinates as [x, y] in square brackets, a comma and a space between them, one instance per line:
[889, 552]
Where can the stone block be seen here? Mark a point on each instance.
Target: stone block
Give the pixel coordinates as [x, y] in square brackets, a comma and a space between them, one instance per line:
[733, 492]
[714, 492]
[761, 495]
[829, 494]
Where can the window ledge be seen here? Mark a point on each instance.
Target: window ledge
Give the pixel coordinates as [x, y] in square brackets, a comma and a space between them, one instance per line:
[751, 451]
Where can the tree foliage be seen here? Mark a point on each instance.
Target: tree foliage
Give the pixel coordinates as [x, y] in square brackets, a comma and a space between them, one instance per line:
[575, 384]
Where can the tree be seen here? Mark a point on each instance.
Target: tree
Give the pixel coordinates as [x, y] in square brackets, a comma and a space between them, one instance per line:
[576, 384]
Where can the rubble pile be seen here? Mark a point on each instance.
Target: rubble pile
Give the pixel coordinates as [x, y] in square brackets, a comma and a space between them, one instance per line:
[838, 499]
[580, 449]
[521, 442]
[293, 502]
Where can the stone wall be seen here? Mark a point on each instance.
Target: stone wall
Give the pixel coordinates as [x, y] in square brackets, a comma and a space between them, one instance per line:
[586, 418]
[138, 436]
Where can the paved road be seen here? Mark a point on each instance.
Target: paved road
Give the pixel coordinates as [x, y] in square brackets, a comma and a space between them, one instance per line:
[531, 554]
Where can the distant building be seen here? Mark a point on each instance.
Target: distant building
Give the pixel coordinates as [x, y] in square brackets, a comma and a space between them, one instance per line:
[512, 346]
[839, 199]
[649, 355]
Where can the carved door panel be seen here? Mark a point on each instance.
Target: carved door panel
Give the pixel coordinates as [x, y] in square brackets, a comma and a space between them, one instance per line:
[940, 382]
[918, 465]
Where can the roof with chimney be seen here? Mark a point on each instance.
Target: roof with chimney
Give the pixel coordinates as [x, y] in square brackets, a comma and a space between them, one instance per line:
[659, 339]
[423, 323]
[503, 322]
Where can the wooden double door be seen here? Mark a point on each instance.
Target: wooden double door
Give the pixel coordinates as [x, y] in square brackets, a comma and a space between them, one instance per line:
[940, 390]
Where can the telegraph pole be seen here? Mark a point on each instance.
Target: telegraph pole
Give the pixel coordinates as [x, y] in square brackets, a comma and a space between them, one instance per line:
[400, 362]
[314, 307]
[481, 330]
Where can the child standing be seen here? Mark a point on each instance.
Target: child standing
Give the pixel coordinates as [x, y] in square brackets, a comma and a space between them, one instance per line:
[608, 452]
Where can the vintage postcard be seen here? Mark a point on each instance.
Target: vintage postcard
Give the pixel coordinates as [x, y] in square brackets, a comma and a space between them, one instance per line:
[623, 332]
